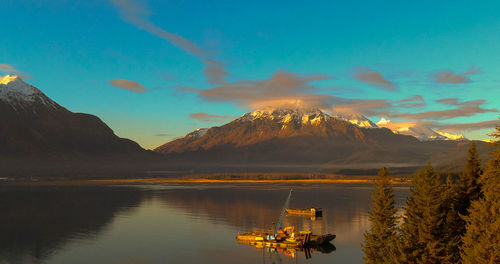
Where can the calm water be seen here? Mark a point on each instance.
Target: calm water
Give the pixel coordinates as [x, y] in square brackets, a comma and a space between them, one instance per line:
[174, 223]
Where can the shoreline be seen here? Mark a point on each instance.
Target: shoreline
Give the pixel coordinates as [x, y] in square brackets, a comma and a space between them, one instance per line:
[187, 180]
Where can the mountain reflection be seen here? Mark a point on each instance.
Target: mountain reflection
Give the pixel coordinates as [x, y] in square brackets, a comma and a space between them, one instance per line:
[184, 223]
[36, 221]
[249, 209]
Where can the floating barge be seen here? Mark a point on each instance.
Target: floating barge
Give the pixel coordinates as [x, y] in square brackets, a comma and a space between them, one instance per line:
[308, 211]
[285, 239]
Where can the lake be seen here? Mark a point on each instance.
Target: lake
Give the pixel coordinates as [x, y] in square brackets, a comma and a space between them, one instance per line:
[175, 223]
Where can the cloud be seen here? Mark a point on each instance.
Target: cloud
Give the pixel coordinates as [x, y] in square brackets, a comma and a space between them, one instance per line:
[128, 85]
[283, 88]
[137, 15]
[448, 101]
[7, 68]
[411, 102]
[447, 76]
[468, 126]
[404, 125]
[162, 135]
[209, 117]
[374, 78]
[214, 71]
[376, 107]
[370, 107]
[467, 108]
[412, 99]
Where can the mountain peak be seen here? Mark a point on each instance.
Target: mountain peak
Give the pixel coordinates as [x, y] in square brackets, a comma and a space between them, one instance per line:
[8, 78]
[16, 92]
[449, 136]
[355, 119]
[285, 115]
[12, 86]
[421, 132]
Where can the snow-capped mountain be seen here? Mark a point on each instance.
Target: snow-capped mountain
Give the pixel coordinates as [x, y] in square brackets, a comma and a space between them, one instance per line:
[306, 116]
[449, 136]
[31, 124]
[422, 133]
[291, 119]
[286, 116]
[354, 118]
[17, 93]
[300, 126]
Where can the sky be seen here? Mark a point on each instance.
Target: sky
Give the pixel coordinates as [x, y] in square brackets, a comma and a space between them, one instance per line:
[156, 70]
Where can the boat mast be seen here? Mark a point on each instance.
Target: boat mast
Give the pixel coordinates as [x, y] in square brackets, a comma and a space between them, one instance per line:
[283, 212]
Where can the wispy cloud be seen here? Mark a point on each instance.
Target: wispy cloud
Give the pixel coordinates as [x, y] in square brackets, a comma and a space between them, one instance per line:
[132, 86]
[447, 76]
[7, 68]
[280, 89]
[448, 101]
[412, 99]
[418, 125]
[138, 15]
[162, 135]
[468, 126]
[374, 78]
[467, 108]
[369, 107]
[377, 107]
[205, 117]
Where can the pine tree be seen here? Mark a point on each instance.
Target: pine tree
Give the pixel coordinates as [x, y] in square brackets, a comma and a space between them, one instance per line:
[383, 221]
[422, 240]
[452, 229]
[481, 242]
[470, 188]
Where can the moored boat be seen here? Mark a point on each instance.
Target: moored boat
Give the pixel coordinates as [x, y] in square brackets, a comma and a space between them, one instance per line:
[307, 211]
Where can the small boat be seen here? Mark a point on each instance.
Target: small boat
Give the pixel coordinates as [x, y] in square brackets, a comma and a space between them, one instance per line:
[308, 211]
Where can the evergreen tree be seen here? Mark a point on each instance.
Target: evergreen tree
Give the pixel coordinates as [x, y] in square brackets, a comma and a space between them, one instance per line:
[452, 229]
[470, 188]
[481, 242]
[422, 239]
[383, 221]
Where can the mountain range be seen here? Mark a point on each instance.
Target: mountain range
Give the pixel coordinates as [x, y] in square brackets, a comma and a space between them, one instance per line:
[309, 137]
[37, 133]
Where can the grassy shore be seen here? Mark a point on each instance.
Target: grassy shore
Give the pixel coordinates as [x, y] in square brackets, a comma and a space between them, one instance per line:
[293, 178]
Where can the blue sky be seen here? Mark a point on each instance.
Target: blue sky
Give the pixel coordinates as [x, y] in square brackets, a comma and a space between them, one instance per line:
[155, 70]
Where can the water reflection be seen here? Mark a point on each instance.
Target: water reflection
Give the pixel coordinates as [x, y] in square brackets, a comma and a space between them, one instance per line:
[36, 221]
[174, 223]
[326, 248]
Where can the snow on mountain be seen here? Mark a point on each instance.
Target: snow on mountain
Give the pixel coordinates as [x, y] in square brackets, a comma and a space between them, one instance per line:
[449, 136]
[355, 119]
[198, 133]
[422, 133]
[315, 116]
[17, 93]
[304, 116]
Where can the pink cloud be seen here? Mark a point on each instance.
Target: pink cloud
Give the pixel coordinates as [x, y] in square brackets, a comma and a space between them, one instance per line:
[132, 86]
